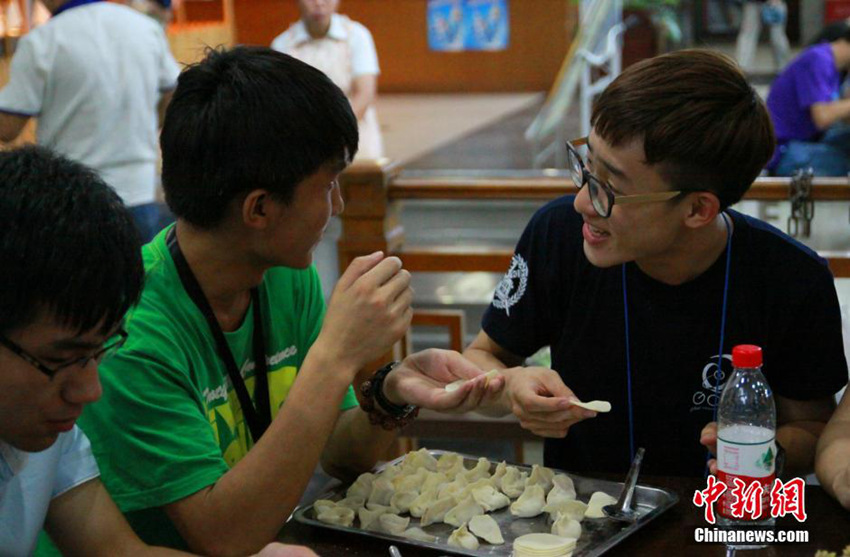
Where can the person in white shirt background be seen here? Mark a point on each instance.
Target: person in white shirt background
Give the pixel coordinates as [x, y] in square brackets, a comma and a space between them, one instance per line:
[344, 50]
[97, 76]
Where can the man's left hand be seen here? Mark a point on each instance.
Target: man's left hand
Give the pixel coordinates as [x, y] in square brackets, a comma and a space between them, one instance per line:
[421, 380]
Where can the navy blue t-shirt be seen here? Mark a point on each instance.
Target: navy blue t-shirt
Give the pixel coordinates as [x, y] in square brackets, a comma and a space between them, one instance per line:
[781, 297]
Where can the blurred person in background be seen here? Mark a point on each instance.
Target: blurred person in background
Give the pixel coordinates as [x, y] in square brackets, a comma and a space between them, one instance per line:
[754, 13]
[97, 78]
[344, 50]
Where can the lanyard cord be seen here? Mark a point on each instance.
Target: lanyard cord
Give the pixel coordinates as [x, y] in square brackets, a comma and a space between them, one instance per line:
[719, 351]
[257, 417]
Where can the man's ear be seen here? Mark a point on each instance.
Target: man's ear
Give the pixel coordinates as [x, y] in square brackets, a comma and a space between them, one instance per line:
[256, 208]
[702, 207]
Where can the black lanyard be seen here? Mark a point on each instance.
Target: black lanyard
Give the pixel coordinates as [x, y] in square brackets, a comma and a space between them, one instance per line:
[258, 418]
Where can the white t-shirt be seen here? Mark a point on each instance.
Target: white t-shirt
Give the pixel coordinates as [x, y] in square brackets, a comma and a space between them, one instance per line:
[364, 58]
[93, 75]
[29, 481]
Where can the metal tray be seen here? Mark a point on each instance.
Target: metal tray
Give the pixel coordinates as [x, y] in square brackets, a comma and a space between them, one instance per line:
[598, 534]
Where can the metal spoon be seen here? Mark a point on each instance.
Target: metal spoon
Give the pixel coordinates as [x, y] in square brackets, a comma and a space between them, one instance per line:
[623, 510]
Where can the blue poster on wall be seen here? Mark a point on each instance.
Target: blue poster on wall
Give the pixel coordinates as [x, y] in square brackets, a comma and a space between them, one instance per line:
[455, 25]
[486, 24]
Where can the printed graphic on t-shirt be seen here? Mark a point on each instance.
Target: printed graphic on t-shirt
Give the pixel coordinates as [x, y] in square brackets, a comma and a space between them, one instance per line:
[713, 380]
[513, 285]
[227, 419]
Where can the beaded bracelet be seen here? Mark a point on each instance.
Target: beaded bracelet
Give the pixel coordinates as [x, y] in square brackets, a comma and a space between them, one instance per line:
[393, 416]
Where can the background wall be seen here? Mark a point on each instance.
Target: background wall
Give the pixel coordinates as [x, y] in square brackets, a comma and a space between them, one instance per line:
[540, 34]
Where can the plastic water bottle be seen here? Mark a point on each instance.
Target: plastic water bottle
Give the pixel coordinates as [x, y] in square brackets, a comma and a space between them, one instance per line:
[746, 437]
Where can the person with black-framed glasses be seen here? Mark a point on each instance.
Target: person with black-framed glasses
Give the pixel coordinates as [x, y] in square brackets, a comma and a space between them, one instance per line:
[72, 267]
[642, 282]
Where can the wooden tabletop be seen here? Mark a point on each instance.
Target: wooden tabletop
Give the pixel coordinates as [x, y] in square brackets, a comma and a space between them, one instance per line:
[670, 535]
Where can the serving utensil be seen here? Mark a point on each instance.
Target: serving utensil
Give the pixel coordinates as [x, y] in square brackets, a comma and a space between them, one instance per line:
[623, 510]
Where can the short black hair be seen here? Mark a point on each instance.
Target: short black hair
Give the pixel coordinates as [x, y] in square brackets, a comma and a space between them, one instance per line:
[698, 117]
[67, 242]
[249, 118]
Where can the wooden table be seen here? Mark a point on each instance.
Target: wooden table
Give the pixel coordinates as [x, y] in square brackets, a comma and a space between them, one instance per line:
[670, 535]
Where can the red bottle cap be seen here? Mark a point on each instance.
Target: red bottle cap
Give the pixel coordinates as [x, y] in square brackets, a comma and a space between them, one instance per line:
[746, 355]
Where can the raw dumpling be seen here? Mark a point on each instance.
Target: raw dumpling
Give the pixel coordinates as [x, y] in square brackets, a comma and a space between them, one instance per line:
[434, 481]
[402, 500]
[369, 518]
[462, 538]
[487, 529]
[419, 459]
[448, 461]
[455, 470]
[418, 534]
[530, 503]
[500, 471]
[597, 501]
[481, 471]
[425, 499]
[573, 508]
[513, 482]
[453, 488]
[362, 486]
[393, 523]
[322, 504]
[463, 512]
[390, 472]
[410, 482]
[542, 476]
[566, 527]
[352, 502]
[565, 484]
[437, 511]
[341, 516]
[477, 484]
[382, 491]
[490, 498]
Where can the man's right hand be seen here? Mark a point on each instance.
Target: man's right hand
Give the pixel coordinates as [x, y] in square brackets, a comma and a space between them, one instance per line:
[369, 311]
[541, 401]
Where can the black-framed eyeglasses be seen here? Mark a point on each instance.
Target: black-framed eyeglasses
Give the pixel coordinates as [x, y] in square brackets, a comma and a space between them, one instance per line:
[601, 195]
[113, 344]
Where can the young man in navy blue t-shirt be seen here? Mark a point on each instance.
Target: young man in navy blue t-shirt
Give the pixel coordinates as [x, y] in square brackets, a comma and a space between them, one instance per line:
[643, 282]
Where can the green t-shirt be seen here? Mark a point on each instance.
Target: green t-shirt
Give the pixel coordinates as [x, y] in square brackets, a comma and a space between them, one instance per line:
[169, 423]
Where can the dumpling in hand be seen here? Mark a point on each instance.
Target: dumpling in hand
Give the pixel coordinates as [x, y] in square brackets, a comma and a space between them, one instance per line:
[463, 512]
[481, 471]
[420, 504]
[401, 501]
[382, 491]
[487, 529]
[362, 486]
[340, 516]
[542, 476]
[393, 523]
[462, 538]
[419, 459]
[369, 518]
[597, 501]
[418, 534]
[566, 527]
[490, 498]
[573, 508]
[437, 511]
[513, 482]
[530, 503]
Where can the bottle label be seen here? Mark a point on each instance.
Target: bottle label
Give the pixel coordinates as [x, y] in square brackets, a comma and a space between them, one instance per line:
[749, 462]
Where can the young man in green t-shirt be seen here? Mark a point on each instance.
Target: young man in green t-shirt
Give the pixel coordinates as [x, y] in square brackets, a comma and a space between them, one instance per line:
[231, 340]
